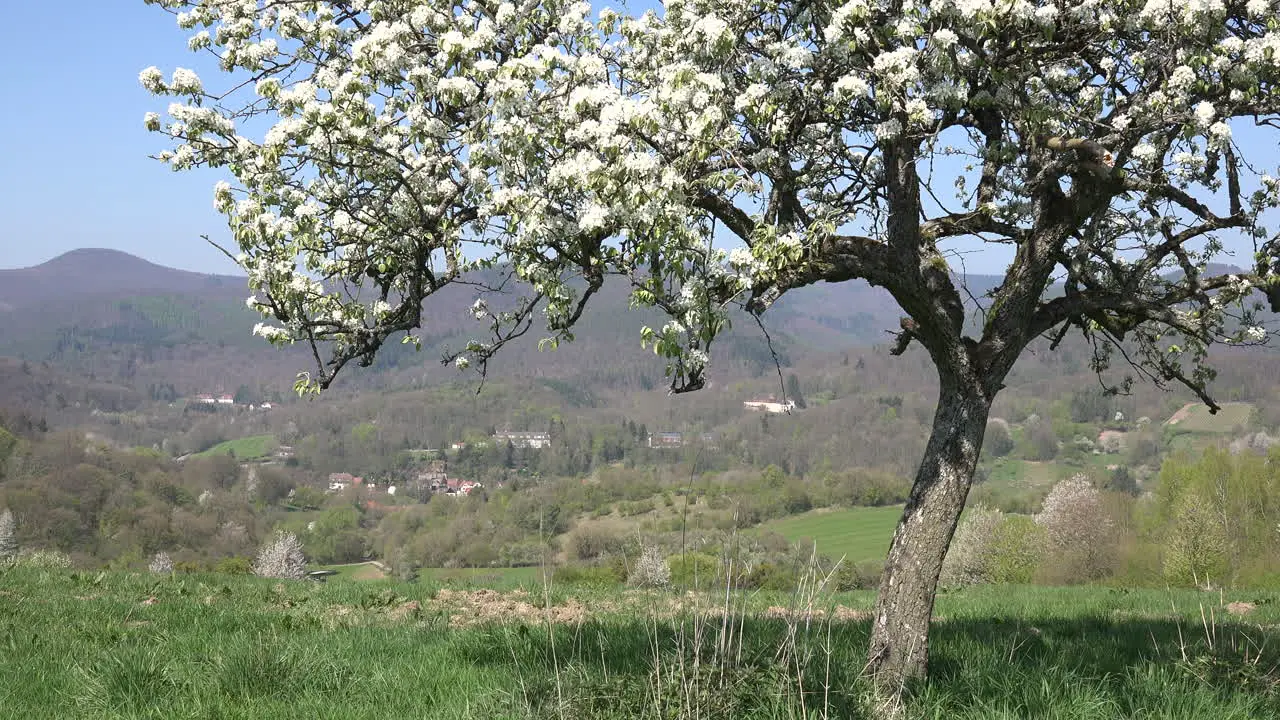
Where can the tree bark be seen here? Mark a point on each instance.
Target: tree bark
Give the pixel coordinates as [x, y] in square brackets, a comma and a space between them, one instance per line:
[899, 650]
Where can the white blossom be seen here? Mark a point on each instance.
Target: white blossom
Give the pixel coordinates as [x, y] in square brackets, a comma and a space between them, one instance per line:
[160, 564]
[185, 82]
[650, 570]
[281, 557]
[889, 129]
[851, 86]
[1205, 113]
[1219, 134]
[1146, 153]
[944, 38]
[152, 79]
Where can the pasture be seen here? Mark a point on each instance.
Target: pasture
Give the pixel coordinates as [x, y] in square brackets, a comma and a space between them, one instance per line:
[856, 534]
[253, 447]
[117, 645]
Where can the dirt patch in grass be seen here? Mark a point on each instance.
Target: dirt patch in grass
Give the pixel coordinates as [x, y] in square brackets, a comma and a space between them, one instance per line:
[839, 613]
[368, 571]
[1241, 608]
[1183, 413]
[468, 608]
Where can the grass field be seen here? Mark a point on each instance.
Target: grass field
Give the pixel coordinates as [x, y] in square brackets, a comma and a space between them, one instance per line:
[529, 578]
[505, 578]
[246, 448]
[354, 571]
[857, 534]
[114, 645]
[1195, 418]
[1023, 484]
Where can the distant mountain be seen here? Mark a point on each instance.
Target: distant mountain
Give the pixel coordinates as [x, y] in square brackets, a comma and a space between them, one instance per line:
[112, 317]
[99, 271]
[119, 318]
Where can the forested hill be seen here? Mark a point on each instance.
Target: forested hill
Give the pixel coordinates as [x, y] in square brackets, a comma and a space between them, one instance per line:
[118, 318]
[95, 272]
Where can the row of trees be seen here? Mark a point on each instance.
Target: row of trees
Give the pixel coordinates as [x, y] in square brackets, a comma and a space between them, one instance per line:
[1211, 520]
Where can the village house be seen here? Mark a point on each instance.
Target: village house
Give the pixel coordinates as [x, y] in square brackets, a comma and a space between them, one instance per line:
[530, 440]
[226, 400]
[341, 481]
[432, 475]
[666, 440]
[456, 487]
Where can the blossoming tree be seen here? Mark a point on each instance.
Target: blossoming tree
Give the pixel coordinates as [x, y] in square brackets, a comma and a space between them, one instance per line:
[382, 150]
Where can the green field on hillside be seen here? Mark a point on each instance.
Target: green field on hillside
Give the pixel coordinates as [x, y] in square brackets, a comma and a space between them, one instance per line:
[353, 571]
[1195, 418]
[525, 577]
[857, 534]
[128, 645]
[253, 447]
[502, 577]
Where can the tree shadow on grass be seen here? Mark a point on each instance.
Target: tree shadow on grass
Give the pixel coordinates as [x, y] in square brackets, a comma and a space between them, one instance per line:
[1088, 667]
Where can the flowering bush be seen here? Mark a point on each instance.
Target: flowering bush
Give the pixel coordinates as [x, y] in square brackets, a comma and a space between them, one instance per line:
[161, 564]
[1077, 531]
[48, 559]
[650, 570]
[281, 557]
[968, 560]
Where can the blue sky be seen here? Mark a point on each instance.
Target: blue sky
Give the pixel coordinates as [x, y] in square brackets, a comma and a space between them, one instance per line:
[74, 165]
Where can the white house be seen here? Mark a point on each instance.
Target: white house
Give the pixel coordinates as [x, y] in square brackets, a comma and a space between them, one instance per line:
[534, 440]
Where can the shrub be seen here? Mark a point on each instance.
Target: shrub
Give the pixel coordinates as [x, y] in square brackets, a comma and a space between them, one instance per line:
[771, 576]
[48, 559]
[695, 570]
[968, 560]
[998, 440]
[1014, 550]
[1040, 442]
[635, 507]
[859, 576]
[650, 570]
[234, 566]
[600, 577]
[281, 557]
[1077, 531]
[161, 564]
[8, 536]
[402, 567]
[1196, 548]
[590, 543]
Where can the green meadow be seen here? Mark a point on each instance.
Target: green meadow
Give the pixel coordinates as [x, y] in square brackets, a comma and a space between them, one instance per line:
[117, 645]
[856, 534]
[246, 448]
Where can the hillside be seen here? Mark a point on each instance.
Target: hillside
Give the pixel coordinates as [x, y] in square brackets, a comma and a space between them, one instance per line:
[99, 272]
[115, 317]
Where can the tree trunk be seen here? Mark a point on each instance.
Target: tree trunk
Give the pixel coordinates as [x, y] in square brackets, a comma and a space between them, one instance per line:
[900, 631]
